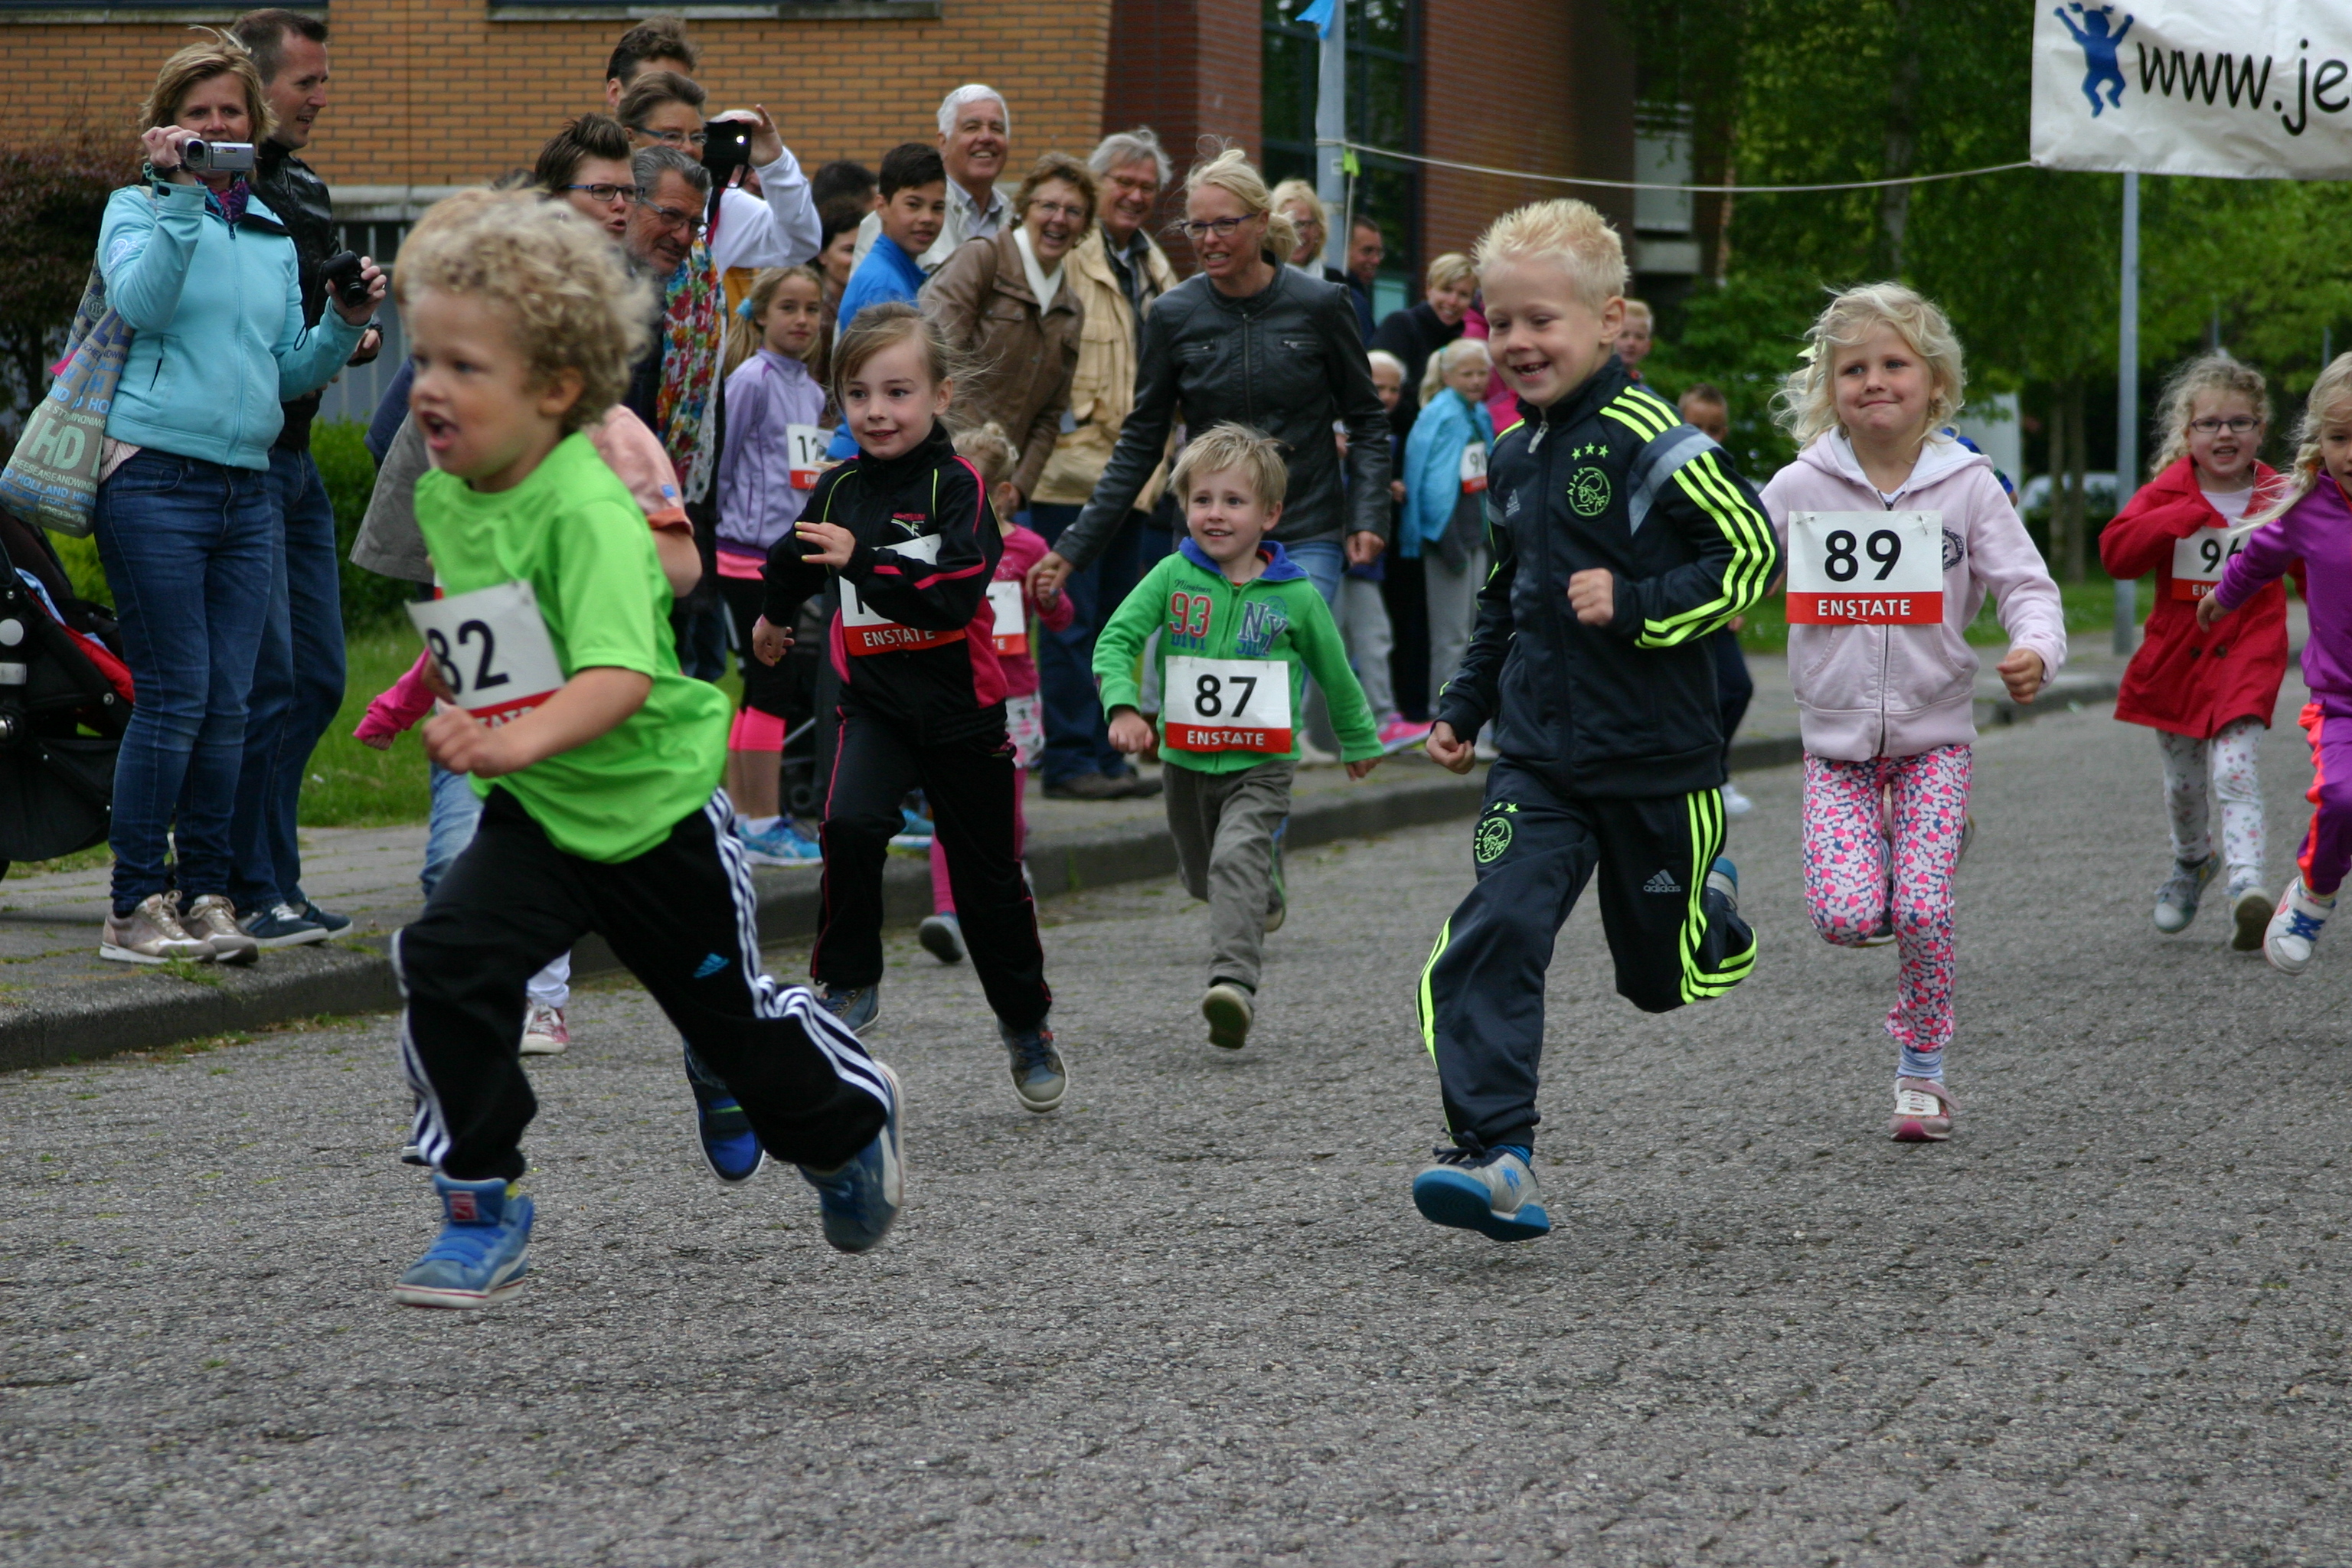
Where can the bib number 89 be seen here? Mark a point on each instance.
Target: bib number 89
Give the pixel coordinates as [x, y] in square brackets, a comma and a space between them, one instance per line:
[1209, 695]
[1884, 546]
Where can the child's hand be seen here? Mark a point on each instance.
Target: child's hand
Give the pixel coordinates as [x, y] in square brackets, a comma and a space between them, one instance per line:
[1357, 770]
[1046, 577]
[769, 642]
[433, 680]
[373, 740]
[2209, 610]
[1447, 751]
[1130, 731]
[459, 742]
[1593, 595]
[2021, 672]
[833, 542]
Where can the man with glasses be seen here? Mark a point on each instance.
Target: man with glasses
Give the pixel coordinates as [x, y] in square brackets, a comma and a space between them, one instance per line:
[779, 227]
[975, 140]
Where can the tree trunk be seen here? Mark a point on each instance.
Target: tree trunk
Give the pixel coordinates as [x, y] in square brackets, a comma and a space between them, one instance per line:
[1902, 136]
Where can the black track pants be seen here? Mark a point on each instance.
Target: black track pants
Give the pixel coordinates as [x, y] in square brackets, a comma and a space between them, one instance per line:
[682, 916]
[969, 784]
[1482, 995]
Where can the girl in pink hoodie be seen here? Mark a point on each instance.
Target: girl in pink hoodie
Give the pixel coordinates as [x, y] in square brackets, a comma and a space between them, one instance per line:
[1894, 534]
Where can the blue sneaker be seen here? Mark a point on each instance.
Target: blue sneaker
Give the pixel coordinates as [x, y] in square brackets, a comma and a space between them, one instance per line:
[1494, 1194]
[854, 1006]
[1039, 1079]
[860, 1201]
[334, 922]
[727, 1141]
[783, 844]
[481, 1255]
[1723, 877]
[915, 832]
[281, 925]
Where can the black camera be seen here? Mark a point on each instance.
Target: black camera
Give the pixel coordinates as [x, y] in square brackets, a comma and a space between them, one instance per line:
[341, 272]
[726, 147]
[218, 157]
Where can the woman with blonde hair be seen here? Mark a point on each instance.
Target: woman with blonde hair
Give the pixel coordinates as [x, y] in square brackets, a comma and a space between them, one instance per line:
[1416, 333]
[2206, 695]
[208, 279]
[1310, 220]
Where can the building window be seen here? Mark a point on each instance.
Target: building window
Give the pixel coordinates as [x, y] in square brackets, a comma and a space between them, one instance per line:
[1383, 111]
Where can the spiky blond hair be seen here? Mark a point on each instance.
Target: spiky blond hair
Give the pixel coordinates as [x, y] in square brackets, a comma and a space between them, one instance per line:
[1226, 444]
[1567, 232]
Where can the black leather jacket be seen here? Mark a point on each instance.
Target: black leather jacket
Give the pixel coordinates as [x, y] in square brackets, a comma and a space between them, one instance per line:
[290, 188]
[1287, 361]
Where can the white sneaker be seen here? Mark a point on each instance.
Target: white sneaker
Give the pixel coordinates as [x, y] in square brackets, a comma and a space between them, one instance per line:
[1734, 803]
[2294, 929]
[544, 1033]
[2177, 900]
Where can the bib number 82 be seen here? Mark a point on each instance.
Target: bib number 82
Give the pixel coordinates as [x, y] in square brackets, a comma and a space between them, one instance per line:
[1884, 546]
[443, 655]
[1209, 695]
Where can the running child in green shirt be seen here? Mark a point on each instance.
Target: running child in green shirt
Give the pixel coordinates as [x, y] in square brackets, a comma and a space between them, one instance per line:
[1240, 627]
[598, 763]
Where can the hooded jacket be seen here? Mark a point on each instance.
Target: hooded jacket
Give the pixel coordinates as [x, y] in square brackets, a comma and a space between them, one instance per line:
[1432, 466]
[1609, 478]
[2317, 529]
[1866, 691]
[1288, 362]
[215, 312]
[942, 683]
[2183, 679]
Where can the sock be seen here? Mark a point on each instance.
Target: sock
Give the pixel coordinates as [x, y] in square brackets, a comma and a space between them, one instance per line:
[1527, 1155]
[751, 825]
[1928, 1065]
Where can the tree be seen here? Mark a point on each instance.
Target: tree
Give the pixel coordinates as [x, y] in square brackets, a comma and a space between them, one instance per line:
[51, 197]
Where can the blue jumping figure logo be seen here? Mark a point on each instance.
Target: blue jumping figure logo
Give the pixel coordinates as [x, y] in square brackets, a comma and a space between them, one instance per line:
[2099, 46]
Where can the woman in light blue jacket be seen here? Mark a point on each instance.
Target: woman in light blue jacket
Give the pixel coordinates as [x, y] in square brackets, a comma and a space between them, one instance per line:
[206, 277]
[1444, 499]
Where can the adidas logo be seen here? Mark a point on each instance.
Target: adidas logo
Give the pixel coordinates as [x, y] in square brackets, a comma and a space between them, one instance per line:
[709, 967]
[1664, 882]
[1511, 507]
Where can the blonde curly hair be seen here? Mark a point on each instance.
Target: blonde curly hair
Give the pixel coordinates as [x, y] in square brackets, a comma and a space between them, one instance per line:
[2330, 403]
[552, 275]
[2213, 373]
[1806, 404]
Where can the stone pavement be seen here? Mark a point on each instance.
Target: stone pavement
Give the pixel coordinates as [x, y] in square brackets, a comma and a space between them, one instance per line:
[1193, 1318]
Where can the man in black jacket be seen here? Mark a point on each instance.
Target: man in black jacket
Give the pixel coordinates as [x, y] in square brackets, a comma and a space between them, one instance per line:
[298, 678]
[1621, 539]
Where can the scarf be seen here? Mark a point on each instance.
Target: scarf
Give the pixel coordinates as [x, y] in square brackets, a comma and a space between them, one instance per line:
[692, 304]
[1041, 283]
[232, 199]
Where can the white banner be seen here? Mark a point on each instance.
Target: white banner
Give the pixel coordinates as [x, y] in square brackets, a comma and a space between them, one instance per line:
[2247, 90]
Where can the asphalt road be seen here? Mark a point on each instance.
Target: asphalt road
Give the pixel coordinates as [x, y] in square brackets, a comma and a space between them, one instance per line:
[1193, 1317]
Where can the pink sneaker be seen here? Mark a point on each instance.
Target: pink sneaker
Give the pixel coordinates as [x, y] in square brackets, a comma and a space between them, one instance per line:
[1399, 733]
[544, 1034]
[1923, 1112]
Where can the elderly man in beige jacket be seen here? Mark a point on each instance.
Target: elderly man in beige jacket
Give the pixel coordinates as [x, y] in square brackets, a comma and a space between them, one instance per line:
[1118, 271]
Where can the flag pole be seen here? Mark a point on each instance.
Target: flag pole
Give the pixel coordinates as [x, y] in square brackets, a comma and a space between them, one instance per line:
[1331, 128]
[2127, 405]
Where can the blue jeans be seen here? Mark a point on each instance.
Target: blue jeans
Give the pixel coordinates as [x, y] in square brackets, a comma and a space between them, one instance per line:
[457, 811]
[190, 550]
[297, 686]
[1323, 560]
[1078, 736]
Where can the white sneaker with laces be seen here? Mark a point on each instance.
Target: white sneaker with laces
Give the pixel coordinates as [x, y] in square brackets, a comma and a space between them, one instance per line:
[1735, 804]
[2294, 929]
[544, 1032]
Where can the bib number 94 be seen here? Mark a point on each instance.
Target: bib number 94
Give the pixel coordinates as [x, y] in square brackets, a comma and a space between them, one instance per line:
[2199, 560]
[1865, 568]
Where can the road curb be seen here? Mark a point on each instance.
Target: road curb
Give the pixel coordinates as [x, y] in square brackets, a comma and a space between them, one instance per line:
[136, 1013]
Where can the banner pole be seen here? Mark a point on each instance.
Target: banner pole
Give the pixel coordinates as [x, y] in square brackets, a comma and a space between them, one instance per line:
[1331, 130]
[2127, 405]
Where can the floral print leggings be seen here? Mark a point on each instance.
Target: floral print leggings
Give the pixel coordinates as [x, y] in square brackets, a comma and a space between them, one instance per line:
[2232, 759]
[1849, 885]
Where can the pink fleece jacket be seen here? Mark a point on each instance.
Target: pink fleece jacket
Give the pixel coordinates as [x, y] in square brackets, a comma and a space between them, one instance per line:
[1897, 691]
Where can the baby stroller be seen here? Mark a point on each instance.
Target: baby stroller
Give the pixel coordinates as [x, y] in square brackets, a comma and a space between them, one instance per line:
[65, 697]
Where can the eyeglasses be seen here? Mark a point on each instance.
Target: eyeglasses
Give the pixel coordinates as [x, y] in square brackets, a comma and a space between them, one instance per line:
[2236, 425]
[1060, 209]
[603, 196]
[1223, 227]
[694, 139]
[670, 217]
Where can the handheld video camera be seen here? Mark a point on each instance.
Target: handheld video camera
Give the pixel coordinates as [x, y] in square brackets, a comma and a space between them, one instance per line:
[217, 157]
[341, 272]
[726, 147]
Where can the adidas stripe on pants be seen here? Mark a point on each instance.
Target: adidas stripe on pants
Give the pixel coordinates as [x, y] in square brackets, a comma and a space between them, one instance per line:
[681, 917]
[1482, 995]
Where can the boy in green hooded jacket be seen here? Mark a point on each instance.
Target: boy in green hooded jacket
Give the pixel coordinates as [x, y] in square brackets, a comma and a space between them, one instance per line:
[1240, 627]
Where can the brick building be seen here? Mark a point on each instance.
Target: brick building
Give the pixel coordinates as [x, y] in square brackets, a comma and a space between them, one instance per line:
[429, 94]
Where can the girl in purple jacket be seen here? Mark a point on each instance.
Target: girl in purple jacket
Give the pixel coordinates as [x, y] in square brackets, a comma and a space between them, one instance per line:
[2313, 521]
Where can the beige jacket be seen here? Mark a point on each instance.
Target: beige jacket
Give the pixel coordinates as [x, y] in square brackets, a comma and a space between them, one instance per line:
[982, 300]
[1102, 393]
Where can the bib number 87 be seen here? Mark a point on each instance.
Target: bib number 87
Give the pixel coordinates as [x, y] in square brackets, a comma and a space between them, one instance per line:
[1209, 695]
[1884, 546]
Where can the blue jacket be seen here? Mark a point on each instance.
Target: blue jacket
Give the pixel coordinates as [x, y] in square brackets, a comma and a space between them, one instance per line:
[886, 273]
[1433, 466]
[215, 314]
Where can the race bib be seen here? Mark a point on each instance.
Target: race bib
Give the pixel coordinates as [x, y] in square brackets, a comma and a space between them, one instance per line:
[2199, 561]
[1474, 468]
[1011, 629]
[1865, 568]
[492, 648]
[862, 631]
[808, 446]
[1225, 705]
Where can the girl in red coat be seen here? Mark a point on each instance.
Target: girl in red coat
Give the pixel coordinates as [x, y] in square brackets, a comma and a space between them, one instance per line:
[2207, 694]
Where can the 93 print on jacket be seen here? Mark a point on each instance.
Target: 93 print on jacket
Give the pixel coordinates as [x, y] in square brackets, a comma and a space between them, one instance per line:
[1609, 478]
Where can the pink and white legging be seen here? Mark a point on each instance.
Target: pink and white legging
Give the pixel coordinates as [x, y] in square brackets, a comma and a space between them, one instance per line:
[1848, 889]
[2232, 759]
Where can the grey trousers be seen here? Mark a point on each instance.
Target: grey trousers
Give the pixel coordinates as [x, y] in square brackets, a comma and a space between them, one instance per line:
[1228, 833]
[1453, 614]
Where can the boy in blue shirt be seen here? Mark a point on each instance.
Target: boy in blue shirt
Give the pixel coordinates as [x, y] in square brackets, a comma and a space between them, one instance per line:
[914, 183]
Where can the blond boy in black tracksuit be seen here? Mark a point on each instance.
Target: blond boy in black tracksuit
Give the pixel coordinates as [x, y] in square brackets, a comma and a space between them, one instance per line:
[1620, 540]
